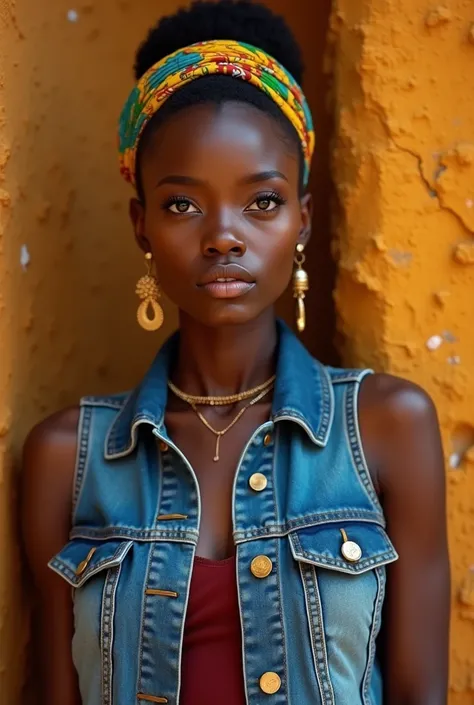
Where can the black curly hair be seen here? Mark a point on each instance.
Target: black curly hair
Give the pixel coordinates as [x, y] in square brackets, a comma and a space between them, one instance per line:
[240, 20]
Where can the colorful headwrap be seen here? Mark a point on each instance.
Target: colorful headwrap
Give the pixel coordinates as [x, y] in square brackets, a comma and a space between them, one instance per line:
[228, 58]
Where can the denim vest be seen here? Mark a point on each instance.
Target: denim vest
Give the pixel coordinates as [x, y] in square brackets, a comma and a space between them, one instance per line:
[311, 545]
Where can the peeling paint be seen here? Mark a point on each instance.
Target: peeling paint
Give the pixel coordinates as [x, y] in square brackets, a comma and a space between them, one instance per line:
[24, 257]
[438, 16]
[434, 342]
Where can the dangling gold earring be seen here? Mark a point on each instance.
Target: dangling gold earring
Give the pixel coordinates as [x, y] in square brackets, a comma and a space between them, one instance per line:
[148, 290]
[300, 287]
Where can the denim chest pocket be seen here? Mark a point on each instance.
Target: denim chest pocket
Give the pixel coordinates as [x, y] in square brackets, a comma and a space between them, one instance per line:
[347, 547]
[94, 570]
[342, 573]
[81, 559]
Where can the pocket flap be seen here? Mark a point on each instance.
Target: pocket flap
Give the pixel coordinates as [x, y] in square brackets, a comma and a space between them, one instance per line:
[80, 559]
[325, 546]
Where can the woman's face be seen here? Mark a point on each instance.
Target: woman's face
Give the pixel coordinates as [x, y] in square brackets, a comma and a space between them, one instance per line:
[223, 214]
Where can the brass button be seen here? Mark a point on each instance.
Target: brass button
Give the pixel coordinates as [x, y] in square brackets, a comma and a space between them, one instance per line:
[258, 482]
[83, 564]
[270, 683]
[267, 440]
[261, 566]
[164, 447]
[351, 551]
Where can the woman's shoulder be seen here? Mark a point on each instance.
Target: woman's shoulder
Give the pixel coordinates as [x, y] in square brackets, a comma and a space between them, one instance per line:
[396, 400]
[52, 442]
[48, 467]
[399, 424]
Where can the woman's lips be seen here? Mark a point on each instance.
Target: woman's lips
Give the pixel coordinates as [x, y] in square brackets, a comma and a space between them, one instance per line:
[228, 289]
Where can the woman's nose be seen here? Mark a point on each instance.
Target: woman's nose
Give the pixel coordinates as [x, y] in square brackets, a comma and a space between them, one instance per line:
[224, 243]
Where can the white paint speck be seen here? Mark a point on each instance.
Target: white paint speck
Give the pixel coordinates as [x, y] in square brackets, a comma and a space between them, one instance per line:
[470, 203]
[24, 257]
[454, 460]
[434, 342]
[454, 360]
[72, 15]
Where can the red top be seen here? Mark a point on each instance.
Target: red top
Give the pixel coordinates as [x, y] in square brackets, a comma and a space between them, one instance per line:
[212, 671]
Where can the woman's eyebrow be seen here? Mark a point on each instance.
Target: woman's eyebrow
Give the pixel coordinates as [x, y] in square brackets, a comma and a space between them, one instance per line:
[251, 179]
[178, 179]
[264, 176]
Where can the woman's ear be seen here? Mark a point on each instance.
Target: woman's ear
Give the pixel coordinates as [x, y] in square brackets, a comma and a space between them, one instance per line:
[137, 216]
[306, 204]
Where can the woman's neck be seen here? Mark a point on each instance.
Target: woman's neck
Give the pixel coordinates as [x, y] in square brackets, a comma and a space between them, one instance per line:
[225, 360]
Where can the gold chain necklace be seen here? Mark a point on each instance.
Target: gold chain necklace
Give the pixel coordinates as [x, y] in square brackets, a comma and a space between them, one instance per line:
[221, 401]
[219, 434]
[261, 391]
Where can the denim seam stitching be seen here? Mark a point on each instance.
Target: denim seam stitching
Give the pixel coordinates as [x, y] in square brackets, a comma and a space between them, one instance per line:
[282, 622]
[350, 376]
[324, 562]
[112, 532]
[82, 454]
[139, 688]
[242, 627]
[354, 441]
[309, 521]
[107, 633]
[105, 402]
[316, 627]
[380, 574]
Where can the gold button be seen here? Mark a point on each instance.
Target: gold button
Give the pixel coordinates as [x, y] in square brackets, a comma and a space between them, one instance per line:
[261, 566]
[267, 440]
[270, 683]
[83, 564]
[351, 551]
[164, 447]
[258, 482]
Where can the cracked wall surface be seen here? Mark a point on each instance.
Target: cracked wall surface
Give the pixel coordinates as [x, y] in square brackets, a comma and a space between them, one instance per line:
[403, 165]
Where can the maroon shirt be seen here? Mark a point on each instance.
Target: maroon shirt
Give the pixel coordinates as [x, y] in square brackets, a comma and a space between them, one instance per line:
[212, 671]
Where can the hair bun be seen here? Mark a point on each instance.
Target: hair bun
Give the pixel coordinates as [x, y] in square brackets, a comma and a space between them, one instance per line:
[242, 21]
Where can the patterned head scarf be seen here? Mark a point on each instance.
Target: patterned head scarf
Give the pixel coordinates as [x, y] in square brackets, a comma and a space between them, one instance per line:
[218, 57]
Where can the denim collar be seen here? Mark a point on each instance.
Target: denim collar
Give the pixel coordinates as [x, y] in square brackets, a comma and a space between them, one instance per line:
[303, 394]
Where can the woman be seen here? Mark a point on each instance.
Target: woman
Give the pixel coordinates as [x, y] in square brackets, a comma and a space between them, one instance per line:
[240, 519]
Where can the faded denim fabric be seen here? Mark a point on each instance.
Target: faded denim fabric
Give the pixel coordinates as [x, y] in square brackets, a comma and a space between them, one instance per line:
[313, 621]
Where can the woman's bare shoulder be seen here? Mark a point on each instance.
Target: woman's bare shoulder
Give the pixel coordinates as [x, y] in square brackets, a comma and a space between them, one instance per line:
[49, 457]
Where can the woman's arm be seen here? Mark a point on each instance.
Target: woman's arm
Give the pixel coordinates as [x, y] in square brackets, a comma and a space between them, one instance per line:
[48, 470]
[400, 426]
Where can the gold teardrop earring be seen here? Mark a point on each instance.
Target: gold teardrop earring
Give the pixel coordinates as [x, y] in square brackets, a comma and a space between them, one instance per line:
[149, 291]
[300, 287]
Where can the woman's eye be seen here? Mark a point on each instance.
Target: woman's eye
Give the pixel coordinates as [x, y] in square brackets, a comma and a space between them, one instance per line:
[266, 204]
[182, 206]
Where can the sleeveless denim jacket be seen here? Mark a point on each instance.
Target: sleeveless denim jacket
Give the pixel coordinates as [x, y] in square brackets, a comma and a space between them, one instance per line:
[310, 604]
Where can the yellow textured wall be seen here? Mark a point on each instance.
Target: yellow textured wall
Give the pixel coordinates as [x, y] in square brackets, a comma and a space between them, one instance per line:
[403, 164]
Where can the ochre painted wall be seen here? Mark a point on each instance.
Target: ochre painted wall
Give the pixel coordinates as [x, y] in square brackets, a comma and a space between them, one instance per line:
[68, 264]
[403, 164]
